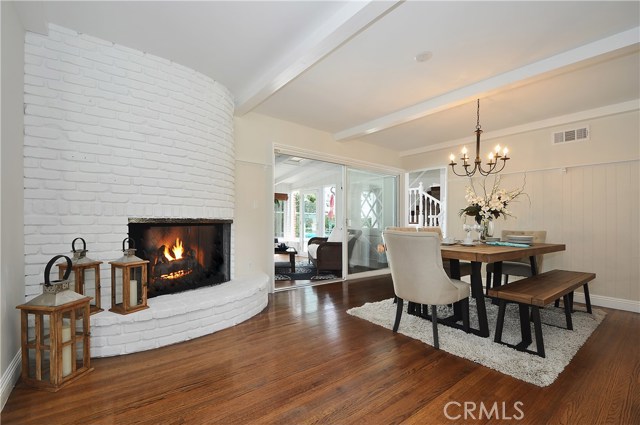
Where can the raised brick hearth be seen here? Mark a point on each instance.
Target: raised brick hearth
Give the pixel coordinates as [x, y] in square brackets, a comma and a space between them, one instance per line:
[178, 317]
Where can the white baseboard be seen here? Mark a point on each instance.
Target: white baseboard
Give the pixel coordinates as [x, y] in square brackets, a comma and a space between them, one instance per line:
[609, 302]
[9, 378]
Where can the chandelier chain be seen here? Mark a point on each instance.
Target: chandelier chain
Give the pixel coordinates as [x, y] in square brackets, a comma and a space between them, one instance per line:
[470, 167]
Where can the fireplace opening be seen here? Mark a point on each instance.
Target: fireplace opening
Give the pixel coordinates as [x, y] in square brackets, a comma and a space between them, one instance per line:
[182, 254]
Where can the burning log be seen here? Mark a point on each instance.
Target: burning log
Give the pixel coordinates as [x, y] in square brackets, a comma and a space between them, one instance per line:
[166, 269]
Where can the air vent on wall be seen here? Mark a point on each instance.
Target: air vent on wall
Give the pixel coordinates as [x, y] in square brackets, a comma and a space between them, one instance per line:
[571, 135]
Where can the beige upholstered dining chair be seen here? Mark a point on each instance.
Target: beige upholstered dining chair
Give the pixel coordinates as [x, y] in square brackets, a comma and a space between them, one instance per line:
[465, 266]
[418, 276]
[522, 266]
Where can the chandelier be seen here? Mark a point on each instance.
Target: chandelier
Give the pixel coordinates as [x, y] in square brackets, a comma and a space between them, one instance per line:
[492, 162]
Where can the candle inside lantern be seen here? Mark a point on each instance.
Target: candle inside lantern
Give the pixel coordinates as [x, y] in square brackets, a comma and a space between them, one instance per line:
[66, 350]
[133, 292]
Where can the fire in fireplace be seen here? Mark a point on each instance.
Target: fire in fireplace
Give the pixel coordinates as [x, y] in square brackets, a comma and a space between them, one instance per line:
[182, 254]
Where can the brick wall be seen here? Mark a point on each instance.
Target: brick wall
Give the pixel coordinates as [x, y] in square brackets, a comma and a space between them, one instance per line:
[113, 133]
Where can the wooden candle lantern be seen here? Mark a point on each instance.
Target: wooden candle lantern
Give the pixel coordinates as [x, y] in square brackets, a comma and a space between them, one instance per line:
[55, 334]
[128, 281]
[85, 273]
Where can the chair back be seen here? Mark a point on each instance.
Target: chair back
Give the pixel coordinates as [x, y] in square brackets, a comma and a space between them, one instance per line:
[434, 229]
[539, 236]
[416, 267]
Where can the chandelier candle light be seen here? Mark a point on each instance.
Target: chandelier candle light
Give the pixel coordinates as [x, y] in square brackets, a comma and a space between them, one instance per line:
[493, 157]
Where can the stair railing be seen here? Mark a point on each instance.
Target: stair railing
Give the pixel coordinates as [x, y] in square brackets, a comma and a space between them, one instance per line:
[424, 209]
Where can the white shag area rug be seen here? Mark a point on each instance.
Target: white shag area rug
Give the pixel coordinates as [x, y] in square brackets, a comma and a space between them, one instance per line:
[560, 344]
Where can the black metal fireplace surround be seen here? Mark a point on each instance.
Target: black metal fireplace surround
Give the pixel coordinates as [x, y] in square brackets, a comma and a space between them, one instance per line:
[183, 254]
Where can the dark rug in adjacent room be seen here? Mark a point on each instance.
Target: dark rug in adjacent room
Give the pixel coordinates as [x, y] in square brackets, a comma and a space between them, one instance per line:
[304, 271]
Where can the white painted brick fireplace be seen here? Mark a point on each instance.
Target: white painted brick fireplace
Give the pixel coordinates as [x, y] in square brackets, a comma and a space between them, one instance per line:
[112, 133]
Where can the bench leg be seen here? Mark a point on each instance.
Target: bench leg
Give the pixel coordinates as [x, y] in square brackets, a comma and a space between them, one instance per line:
[566, 300]
[500, 322]
[537, 324]
[587, 299]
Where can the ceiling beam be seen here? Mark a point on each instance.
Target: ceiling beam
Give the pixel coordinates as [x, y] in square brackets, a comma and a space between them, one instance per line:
[468, 93]
[604, 111]
[345, 24]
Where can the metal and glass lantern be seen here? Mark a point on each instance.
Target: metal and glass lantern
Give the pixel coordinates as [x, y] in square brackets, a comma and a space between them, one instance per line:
[128, 281]
[85, 273]
[55, 334]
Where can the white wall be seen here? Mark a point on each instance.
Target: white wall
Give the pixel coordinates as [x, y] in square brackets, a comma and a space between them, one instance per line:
[585, 194]
[113, 133]
[255, 135]
[11, 210]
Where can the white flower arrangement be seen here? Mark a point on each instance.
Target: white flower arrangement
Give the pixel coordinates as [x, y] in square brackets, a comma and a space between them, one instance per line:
[487, 206]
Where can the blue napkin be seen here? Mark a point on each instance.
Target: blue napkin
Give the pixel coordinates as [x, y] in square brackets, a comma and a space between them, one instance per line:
[517, 245]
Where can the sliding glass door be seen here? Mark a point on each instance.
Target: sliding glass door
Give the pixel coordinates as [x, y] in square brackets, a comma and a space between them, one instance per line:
[372, 205]
[312, 201]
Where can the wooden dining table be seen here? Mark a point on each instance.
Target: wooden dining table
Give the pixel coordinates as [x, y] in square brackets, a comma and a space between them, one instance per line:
[483, 253]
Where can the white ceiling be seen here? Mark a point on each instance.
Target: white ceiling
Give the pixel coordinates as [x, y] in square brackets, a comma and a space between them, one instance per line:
[348, 68]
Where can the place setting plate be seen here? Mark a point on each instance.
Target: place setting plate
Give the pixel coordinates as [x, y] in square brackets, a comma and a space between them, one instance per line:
[520, 238]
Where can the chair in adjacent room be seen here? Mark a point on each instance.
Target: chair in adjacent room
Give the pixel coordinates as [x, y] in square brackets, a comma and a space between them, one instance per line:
[326, 253]
[522, 266]
[418, 276]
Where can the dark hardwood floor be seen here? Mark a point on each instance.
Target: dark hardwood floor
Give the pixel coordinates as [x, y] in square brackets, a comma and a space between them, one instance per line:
[304, 360]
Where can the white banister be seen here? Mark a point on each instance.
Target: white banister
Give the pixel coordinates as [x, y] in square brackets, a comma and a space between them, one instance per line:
[423, 209]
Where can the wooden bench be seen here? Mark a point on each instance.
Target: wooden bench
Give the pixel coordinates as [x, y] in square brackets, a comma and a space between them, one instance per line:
[535, 292]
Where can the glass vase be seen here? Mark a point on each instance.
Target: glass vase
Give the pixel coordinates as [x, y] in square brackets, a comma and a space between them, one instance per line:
[486, 229]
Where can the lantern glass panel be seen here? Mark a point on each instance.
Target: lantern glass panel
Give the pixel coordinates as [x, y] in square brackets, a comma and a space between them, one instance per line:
[79, 339]
[135, 286]
[118, 285]
[72, 276]
[68, 336]
[89, 279]
[38, 346]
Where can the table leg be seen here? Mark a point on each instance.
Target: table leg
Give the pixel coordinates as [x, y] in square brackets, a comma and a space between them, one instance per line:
[497, 278]
[454, 269]
[292, 260]
[534, 265]
[525, 326]
[476, 291]
[497, 274]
